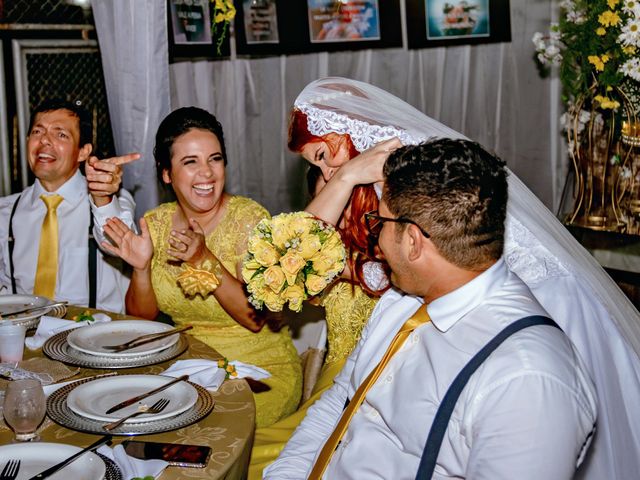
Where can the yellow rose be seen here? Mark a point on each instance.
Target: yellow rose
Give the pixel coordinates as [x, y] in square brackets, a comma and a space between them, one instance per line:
[291, 263]
[294, 294]
[309, 246]
[273, 301]
[264, 253]
[322, 264]
[249, 268]
[280, 232]
[315, 284]
[334, 248]
[274, 278]
[300, 224]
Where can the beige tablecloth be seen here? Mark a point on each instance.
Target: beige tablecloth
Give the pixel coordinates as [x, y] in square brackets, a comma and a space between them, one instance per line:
[228, 430]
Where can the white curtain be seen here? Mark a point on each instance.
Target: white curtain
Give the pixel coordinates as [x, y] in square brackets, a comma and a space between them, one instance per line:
[491, 93]
[134, 49]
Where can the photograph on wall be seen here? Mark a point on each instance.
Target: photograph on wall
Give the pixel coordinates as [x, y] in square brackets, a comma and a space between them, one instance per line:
[438, 23]
[190, 21]
[343, 21]
[447, 19]
[260, 21]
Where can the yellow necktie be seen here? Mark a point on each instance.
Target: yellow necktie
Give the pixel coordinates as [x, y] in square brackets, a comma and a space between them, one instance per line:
[47, 271]
[418, 318]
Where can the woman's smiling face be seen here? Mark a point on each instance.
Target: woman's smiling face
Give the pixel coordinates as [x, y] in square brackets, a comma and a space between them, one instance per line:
[197, 170]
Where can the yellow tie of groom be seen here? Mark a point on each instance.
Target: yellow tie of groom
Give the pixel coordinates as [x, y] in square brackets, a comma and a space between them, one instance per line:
[47, 271]
[418, 318]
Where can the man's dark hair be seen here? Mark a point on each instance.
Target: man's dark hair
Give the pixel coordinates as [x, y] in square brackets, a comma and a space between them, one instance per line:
[457, 192]
[84, 119]
[178, 123]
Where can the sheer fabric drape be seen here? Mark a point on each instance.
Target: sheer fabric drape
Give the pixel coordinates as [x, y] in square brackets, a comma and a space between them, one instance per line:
[133, 46]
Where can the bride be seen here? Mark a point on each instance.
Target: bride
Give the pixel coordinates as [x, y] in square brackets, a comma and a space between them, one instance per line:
[576, 292]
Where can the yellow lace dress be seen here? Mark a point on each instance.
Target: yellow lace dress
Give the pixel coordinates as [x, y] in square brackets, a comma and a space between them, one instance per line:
[347, 309]
[273, 351]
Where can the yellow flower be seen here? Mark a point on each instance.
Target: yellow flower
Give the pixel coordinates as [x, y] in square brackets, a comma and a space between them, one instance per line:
[264, 253]
[249, 268]
[322, 264]
[596, 62]
[315, 284]
[300, 224]
[291, 263]
[608, 18]
[274, 278]
[273, 301]
[606, 102]
[612, 3]
[629, 50]
[601, 31]
[309, 246]
[604, 57]
[294, 294]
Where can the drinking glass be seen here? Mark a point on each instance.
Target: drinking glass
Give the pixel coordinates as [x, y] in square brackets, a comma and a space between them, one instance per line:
[24, 408]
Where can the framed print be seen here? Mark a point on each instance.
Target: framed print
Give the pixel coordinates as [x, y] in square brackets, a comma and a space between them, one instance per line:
[190, 31]
[434, 23]
[260, 18]
[336, 21]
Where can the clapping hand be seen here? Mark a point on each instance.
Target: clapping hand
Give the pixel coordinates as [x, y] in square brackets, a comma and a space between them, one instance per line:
[105, 176]
[189, 244]
[136, 250]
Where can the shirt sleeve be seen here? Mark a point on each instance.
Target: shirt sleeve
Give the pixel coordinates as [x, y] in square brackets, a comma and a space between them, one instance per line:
[121, 206]
[529, 427]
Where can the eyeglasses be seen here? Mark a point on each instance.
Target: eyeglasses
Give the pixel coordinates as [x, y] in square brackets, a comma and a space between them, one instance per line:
[374, 223]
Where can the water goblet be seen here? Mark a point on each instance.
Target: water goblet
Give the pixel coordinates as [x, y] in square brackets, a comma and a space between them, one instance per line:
[24, 408]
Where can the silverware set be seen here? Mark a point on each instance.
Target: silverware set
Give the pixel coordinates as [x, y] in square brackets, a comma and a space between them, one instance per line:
[151, 337]
[157, 407]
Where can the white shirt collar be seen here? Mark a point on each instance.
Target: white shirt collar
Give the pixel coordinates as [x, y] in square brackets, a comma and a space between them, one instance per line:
[448, 309]
[73, 190]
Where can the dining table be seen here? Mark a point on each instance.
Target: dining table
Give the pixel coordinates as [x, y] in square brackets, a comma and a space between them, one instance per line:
[228, 429]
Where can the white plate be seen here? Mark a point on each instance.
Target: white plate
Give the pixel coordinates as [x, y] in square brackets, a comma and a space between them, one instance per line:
[93, 338]
[14, 303]
[93, 399]
[36, 457]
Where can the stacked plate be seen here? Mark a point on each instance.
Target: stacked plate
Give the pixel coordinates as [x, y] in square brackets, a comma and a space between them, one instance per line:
[37, 457]
[16, 303]
[83, 405]
[88, 346]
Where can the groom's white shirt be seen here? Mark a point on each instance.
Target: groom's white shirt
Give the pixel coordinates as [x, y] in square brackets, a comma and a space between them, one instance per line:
[527, 413]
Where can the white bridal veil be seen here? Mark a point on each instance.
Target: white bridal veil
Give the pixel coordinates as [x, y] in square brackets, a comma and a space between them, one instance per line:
[575, 290]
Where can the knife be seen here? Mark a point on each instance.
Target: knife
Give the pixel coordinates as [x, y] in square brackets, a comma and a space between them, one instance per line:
[133, 400]
[151, 337]
[50, 471]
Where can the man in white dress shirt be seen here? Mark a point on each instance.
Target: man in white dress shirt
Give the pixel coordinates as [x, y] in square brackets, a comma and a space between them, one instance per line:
[529, 410]
[60, 135]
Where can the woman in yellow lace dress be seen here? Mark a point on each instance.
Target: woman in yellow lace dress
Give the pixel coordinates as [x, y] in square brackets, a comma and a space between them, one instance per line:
[185, 261]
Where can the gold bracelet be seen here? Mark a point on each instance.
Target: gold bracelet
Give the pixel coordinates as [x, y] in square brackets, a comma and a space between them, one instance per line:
[202, 280]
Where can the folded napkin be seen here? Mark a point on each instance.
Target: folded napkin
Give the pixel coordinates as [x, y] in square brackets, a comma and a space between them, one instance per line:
[207, 374]
[49, 326]
[131, 467]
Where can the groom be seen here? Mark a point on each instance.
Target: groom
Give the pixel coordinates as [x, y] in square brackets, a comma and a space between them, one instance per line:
[529, 410]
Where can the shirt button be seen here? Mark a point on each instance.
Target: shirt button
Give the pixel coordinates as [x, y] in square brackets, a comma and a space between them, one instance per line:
[389, 378]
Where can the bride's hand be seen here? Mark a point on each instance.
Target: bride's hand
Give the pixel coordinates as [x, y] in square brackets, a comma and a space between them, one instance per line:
[367, 167]
[189, 245]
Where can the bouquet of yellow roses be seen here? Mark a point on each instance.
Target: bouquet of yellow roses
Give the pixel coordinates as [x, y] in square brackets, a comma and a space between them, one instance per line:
[291, 257]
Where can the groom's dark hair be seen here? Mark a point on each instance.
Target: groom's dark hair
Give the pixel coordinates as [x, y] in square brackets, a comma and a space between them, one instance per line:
[454, 190]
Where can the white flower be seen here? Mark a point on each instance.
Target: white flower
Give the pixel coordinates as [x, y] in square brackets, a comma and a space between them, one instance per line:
[630, 35]
[555, 34]
[584, 116]
[576, 17]
[625, 173]
[538, 41]
[631, 68]
[543, 60]
[631, 8]
[551, 51]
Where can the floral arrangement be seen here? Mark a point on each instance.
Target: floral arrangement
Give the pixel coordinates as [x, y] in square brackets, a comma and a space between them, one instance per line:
[229, 368]
[595, 44]
[223, 14]
[291, 257]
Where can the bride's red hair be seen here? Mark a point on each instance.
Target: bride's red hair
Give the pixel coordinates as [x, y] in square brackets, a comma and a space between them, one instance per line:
[363, 198]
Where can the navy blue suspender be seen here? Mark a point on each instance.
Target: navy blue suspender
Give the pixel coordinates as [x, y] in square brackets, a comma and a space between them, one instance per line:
[441, 420]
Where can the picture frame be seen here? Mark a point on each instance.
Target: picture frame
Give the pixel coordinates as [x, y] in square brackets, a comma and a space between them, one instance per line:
[438, 23]
[299, 35]
[190, 35]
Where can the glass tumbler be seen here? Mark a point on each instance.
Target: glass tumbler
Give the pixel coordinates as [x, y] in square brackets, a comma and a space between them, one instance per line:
[24, 408]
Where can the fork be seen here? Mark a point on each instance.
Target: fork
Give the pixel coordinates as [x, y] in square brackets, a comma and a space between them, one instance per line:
[10, 470]
[157, 407]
